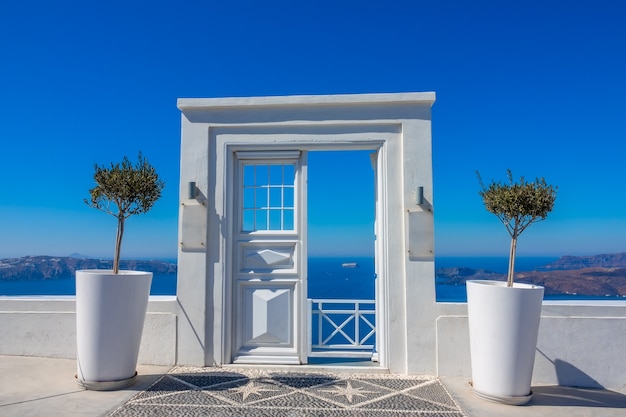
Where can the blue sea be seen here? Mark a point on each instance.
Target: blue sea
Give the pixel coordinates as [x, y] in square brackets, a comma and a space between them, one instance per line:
[457, 293]
[327, 278]
[162, 284]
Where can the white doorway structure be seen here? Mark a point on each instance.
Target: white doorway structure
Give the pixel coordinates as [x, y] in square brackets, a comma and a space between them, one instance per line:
[242, 257]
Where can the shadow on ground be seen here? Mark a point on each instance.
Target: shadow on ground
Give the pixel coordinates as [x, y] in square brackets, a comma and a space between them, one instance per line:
[558, 396]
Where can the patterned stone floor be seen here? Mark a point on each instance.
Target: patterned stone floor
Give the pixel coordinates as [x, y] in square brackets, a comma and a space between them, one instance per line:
[265, 393]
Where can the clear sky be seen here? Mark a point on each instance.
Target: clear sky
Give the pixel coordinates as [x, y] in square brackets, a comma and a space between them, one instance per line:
[535, 86]
[341, 203]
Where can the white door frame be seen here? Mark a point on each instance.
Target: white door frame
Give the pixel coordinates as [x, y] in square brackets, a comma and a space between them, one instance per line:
[320, 142]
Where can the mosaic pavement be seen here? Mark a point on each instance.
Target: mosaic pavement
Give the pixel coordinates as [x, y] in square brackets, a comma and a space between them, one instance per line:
[266, 393]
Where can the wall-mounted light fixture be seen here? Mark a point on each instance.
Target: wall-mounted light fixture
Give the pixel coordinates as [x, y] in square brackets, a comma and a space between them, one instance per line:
[192, 190]
[419, 197]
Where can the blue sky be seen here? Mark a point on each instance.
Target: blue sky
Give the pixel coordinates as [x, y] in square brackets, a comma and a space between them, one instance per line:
[341, 203]
[537, 87]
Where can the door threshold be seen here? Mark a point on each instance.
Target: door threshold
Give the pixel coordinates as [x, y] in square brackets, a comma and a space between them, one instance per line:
[319, 366]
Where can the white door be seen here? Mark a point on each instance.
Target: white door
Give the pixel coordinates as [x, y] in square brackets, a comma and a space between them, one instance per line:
[269, 274]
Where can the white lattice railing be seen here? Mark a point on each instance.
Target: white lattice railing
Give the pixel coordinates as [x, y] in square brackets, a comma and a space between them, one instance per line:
[342, 328]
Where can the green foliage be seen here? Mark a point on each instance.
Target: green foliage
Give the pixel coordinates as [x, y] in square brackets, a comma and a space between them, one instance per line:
[123, 190]
[518, 205]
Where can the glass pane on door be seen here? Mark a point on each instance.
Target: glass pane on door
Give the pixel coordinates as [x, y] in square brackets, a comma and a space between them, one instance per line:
[268, 197]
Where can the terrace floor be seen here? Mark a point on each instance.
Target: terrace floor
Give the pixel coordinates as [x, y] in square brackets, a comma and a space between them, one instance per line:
[32, 386]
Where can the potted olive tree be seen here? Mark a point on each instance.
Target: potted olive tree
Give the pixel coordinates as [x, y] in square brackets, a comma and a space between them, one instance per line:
[504, 316]
[111, 304]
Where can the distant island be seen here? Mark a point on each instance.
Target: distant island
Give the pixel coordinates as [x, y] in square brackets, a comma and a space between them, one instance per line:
[57, 267]
[598, 275]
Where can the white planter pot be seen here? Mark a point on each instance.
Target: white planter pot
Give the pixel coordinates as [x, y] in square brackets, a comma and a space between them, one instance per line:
[503, 326]
[110, 313]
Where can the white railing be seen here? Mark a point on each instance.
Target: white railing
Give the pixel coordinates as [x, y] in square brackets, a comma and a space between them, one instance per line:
[342, 328]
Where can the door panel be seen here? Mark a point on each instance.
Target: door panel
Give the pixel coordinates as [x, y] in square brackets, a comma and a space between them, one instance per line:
[270, 263]
[269, 325]
[269, 256]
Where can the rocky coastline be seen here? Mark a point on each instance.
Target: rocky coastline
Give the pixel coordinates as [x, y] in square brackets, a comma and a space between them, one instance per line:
[599, 275]
[55, 267]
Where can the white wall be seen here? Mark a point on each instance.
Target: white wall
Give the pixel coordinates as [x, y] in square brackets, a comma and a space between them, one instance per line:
[579, 344]
[46, 326]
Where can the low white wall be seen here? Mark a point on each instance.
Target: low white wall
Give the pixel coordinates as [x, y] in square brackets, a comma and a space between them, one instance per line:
[580, 344]
[46, 326]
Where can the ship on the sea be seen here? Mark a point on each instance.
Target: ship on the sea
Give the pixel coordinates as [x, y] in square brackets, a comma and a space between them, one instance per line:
[349, 265]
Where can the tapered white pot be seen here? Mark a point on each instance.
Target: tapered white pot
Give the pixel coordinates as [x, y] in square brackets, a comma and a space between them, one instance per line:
[110, 313]
[503, 325]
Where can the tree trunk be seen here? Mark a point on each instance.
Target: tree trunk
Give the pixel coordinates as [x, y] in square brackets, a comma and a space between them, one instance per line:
[509, 282]
[118, 245]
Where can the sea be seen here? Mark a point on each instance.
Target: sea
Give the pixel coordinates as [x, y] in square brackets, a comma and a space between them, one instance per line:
[500, 264]
[328, 278]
